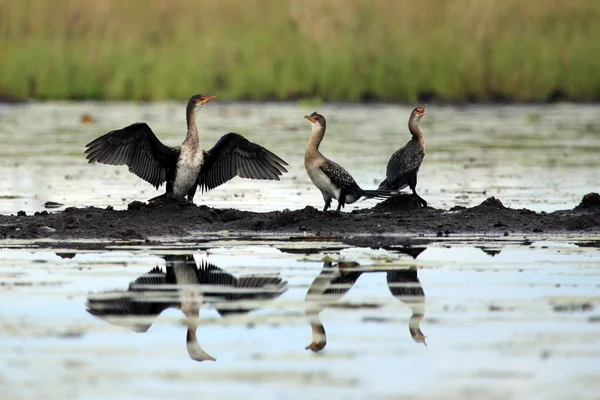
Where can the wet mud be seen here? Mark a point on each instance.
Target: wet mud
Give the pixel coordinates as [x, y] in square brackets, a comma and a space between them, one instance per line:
[401, 216]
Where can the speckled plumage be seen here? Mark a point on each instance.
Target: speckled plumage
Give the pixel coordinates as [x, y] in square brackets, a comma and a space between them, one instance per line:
[404, 164]
[330, 178]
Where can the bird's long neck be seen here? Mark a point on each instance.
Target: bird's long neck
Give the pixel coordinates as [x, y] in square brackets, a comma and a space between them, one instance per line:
[319, 336]
[415, 130]
[191, 138]
[318, 132]
[196, 352]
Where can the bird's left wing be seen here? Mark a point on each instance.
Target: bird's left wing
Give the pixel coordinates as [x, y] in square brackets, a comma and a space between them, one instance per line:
[234, 155]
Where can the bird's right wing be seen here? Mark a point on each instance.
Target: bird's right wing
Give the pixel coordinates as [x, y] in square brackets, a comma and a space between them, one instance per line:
[137, 147]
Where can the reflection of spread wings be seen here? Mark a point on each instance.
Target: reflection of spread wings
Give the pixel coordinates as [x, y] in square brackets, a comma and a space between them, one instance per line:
[227, 288]
[138, 300]
[152, 293]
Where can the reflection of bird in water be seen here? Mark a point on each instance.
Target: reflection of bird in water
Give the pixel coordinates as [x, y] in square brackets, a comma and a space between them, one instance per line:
[405, 286]
[335, 280]
[331, 284]
[188, 166]
[186, 286]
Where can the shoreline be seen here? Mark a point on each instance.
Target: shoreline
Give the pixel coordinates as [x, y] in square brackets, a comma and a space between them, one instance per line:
[393, 218]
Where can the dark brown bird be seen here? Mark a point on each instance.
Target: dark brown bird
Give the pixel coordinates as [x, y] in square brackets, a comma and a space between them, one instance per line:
[330, 178]
[188, 166]
[404, 164]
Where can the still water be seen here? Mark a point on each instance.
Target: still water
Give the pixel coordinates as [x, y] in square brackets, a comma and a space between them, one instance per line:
[454, 319]
[540, 157]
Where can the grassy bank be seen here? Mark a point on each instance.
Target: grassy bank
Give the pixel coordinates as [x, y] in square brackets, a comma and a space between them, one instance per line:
[478, 50]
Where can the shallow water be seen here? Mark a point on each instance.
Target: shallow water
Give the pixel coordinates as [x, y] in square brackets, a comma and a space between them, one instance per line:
[501, 320]
[540, 157]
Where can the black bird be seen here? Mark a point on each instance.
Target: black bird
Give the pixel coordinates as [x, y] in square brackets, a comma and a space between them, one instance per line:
[185, 286]
[404, 164]
[187, 166]
[330, 178]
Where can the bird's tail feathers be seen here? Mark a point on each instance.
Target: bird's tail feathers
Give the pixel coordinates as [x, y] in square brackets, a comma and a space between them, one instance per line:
[378, 194]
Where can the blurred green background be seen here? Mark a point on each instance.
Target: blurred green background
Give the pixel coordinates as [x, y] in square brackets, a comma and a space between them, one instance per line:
[333, 50]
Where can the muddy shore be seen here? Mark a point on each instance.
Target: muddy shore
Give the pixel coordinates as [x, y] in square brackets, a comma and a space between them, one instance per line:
[400, 216]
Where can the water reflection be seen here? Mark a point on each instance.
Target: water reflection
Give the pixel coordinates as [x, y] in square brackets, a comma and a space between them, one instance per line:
[335, 280]
[185, 285]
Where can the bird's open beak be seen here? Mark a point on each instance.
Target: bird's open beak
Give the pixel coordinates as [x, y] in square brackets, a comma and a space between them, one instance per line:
[206, 99]
[422, 110]
[311, 119]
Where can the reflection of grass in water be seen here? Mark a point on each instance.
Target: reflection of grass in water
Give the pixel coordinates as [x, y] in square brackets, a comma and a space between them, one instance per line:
[266, 49]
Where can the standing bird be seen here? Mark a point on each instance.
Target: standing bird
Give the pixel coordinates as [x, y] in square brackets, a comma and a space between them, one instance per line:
[187, 166]
[330, 178]
[404, 164]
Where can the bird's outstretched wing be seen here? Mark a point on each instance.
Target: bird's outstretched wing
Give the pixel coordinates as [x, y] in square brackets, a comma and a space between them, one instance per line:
[137, 147]
[139, 300]
[224, 288]
[234, 155]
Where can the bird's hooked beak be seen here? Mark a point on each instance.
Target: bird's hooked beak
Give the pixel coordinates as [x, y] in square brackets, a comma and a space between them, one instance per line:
[206, 99]
[311, 119]
[421, 110]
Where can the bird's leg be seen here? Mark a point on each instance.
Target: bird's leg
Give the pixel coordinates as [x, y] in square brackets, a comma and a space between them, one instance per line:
[421, 200]
[341, 202]
[160, 199]
[412, 183]
[191, 193]
[327, 204]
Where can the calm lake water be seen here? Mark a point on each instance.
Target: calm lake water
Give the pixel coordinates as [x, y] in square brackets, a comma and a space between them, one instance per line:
[539, 157]
[501, 319]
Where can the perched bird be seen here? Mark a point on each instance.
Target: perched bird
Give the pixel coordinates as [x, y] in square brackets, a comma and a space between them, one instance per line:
[186, 286]
[404, 164]
[330, 178]
[187, 166]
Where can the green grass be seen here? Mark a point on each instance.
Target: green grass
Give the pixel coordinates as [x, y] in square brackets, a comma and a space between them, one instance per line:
[331, 50]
